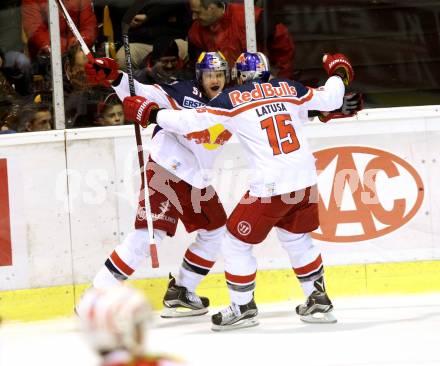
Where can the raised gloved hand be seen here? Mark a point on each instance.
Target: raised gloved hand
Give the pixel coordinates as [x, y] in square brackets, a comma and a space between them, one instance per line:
[338, 64]
[353, 103]
[103, 71]
[138, 109]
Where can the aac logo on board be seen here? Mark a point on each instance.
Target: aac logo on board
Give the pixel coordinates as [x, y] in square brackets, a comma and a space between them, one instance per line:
[373, 193]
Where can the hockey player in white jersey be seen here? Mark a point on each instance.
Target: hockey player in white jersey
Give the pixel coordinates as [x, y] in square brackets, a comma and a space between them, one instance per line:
[267, 116]
[178, 174]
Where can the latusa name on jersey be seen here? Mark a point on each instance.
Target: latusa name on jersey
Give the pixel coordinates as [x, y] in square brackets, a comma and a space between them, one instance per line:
[270, 108]
[261, 91]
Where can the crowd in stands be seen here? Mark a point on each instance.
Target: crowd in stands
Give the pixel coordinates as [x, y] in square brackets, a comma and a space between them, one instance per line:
[166, 38]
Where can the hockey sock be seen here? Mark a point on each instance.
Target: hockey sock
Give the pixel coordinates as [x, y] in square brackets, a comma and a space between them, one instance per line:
[126, 258]
[305, 258]
[199, 258]
[240, 269]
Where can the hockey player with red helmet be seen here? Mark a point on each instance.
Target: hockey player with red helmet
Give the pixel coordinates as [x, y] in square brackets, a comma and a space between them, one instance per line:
[267, 117]
[115, 322]
[179, 175]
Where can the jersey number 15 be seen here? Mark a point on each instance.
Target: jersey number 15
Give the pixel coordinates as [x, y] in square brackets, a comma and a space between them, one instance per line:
[282, 137]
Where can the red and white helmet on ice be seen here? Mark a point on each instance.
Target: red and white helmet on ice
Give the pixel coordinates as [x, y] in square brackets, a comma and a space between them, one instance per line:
[114, 318]
[211, 61]
[251, 66]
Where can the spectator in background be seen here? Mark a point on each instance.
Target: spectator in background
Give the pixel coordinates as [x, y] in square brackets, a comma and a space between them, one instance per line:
[35, 117]
[16, 65]
[221, 26]
[110, 111]
[163, 64]
[116, 11]
[80, 99]
[36, 26]
[9, 103]
[115, 321]
[168, 18]
[74, 72]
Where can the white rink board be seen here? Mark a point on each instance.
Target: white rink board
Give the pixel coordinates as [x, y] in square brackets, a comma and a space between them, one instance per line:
[41, 246]
[51, 247]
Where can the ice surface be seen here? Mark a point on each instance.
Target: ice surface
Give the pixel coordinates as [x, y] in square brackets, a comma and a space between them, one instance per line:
[371, 331]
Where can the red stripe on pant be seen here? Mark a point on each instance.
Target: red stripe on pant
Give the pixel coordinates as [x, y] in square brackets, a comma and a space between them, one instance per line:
[309, 268]
[240, 279]
[199, 261]
[122, 266]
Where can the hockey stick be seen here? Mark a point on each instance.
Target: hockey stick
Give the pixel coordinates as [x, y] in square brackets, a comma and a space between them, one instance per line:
[75, 32]
[126, 20]
[129, 15]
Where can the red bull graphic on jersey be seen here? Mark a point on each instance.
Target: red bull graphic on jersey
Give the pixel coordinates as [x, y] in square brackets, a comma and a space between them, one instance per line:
[261, 91]
[212, 138]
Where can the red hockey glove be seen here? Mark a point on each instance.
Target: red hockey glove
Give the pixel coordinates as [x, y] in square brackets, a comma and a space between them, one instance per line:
[338, 64]
[103, 71]
[353, 103]
[138, 109]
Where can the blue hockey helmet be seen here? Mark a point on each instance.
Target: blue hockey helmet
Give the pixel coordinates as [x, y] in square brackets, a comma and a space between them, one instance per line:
[251, 66]
[211, 61]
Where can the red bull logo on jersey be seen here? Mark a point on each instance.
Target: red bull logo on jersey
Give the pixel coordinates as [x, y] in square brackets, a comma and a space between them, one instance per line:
[365, 193]
[261, 91]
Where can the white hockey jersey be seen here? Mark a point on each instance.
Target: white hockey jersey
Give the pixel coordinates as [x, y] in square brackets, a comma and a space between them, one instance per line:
[268, 120]
[192, 157]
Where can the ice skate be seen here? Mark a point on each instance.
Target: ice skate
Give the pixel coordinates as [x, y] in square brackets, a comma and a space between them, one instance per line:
[179, 302]
[236, 317]
[318, 307]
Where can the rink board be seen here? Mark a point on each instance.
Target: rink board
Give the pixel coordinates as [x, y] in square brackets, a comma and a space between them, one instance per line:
[272, 286]
[72, 198]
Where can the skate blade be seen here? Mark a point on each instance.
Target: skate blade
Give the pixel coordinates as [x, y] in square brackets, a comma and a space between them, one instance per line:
[319, 318]
[245, 323]
[181, 312]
